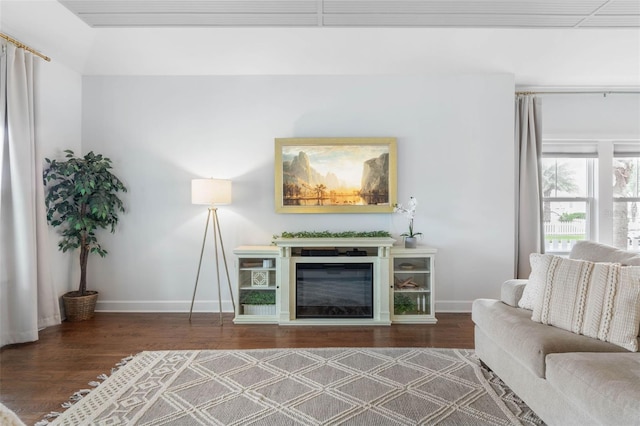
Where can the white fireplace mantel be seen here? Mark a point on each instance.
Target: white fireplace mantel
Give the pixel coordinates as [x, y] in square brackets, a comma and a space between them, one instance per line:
[378, 251]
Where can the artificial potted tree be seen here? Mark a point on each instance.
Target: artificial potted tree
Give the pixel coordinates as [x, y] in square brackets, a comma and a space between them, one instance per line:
[82, 197]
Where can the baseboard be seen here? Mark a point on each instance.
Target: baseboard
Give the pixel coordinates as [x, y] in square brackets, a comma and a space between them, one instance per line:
[448, 306]
[162, 306]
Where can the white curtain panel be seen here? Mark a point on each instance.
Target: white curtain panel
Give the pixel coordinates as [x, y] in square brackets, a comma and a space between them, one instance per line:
[528, 140]
[28, 301]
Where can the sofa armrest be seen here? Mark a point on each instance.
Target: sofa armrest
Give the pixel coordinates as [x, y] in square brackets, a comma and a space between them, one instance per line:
[511, 291]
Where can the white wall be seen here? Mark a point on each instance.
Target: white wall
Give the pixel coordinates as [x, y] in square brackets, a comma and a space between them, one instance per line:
[455, 155]
[591, 116]
[58, 109]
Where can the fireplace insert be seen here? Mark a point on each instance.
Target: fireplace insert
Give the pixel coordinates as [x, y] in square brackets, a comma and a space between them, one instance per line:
[334, 290]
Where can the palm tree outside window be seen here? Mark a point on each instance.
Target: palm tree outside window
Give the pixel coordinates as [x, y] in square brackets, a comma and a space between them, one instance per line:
[626, 196]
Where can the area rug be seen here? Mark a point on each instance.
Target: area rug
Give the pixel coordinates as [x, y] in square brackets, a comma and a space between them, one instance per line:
[329, 386]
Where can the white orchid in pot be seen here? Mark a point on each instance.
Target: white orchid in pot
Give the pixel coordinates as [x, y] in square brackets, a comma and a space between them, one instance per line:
[411, 237]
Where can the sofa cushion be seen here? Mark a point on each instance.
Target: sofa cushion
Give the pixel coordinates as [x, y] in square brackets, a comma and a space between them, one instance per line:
[598, 300]
[607, 386]
[527, 341]
[596, 252]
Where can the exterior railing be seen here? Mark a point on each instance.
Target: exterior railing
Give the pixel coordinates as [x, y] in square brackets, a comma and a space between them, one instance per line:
[577, 227]
[564, 235]
[565, 245]
[559, 245]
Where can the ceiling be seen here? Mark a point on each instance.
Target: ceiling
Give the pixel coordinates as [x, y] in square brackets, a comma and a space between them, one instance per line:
[585, 57]
[359, 13]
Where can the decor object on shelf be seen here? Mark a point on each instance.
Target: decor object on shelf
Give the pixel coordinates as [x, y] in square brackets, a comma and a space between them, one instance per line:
[335, 175]
[258, 297]
[258, 302]
[82, 198]
[406, 283]
[410, 238]
[212, 192]
[327, 234]
[411, 242]
[259, 309]
[402, 304]
[259, 278]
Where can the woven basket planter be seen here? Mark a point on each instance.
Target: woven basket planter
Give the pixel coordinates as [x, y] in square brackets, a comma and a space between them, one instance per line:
[79, 308]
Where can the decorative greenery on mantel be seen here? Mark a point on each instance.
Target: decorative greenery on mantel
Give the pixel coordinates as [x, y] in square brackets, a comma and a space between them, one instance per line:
[327, 234]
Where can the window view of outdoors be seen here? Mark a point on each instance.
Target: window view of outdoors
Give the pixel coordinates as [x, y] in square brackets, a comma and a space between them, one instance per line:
[626, 221]
[565, 202]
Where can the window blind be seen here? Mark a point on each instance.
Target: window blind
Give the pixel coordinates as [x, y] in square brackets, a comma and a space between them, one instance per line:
[626, 149]
[570, 149]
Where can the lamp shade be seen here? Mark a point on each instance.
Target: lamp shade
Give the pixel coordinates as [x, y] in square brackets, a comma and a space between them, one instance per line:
[210, 191]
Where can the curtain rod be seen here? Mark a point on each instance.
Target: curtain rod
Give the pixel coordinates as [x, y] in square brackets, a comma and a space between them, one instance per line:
[583, 92]
[24, 46]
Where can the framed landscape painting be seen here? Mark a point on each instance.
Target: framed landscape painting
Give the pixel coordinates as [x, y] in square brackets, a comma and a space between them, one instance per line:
[335, 175]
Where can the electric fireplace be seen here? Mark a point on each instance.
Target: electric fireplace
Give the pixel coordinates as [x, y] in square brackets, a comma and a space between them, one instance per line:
[334, 290]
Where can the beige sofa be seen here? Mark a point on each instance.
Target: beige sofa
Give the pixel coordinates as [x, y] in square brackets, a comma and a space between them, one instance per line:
[566, 378]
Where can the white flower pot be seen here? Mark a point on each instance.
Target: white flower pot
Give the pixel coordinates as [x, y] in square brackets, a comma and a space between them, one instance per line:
[410, 242]
[259, 309]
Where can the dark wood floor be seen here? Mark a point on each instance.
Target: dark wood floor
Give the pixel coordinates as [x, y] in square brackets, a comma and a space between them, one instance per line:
[35, 378]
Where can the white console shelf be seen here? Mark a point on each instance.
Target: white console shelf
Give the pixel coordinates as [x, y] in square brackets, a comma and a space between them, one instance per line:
[258, 279]
[278, 264]
[412, 295]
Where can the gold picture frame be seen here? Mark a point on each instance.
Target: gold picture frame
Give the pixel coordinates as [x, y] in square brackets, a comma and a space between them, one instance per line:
[335, 175]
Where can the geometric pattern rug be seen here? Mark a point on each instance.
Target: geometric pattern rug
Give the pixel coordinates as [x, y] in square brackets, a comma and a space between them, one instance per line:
[326, 386]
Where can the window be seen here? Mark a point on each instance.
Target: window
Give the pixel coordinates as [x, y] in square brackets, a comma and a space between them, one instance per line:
[591, 191]
[567, 199]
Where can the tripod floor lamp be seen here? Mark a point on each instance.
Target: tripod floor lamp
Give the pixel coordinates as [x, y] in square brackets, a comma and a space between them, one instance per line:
[212, 192]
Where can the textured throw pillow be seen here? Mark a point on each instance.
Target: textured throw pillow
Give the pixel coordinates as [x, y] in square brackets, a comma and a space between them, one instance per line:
[598, 300]
[597, 252]
[535, 281]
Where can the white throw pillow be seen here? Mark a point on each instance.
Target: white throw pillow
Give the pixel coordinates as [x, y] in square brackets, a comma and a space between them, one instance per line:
[536, 278]
[598, 300]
